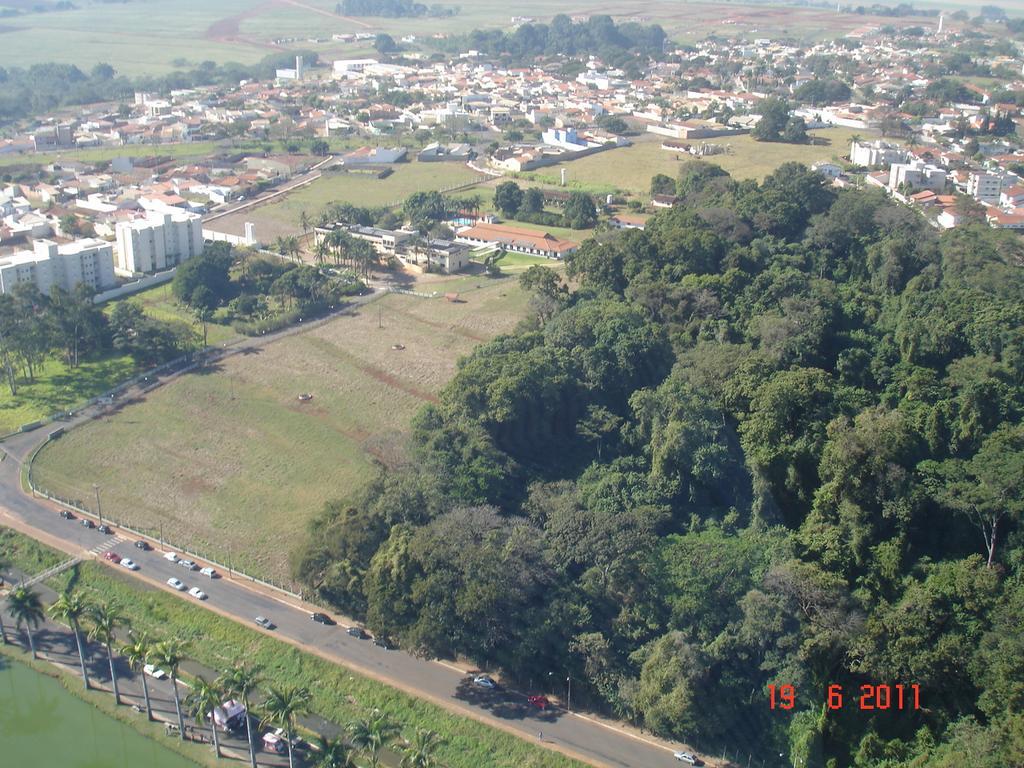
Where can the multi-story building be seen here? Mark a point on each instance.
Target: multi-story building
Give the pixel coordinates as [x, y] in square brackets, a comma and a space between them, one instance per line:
[873, 153]
[916, 175]
[88, 261]
[159, 242]
[985, 187]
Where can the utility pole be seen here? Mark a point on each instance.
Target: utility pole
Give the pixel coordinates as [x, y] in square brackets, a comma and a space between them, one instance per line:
[99, 510]
[568, 696]
[380, 317]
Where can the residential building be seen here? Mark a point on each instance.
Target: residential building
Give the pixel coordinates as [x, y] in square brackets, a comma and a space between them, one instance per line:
[89, 261]
[374, 156]
[873, 153]
[435, 152]
[158, 242]
[436, 255]
[985, 187]
[384, 241]
[916, 175]
[520, 240]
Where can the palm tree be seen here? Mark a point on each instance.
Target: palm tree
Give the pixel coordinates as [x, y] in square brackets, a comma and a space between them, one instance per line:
[27, 610]
[282, 706]
[201, 703]
[421, 751]
[104, 623]
[305, 222]
[320, 251]
[70, 608]
[169, 654]
[137, 654]
[373, 734]
[281, 245]
[241, 681]
[334, 753]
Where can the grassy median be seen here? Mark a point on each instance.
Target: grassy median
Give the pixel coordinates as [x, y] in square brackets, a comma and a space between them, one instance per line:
[338, 694]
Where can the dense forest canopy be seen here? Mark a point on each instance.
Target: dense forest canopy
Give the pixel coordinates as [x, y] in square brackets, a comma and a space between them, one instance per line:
[775, 438]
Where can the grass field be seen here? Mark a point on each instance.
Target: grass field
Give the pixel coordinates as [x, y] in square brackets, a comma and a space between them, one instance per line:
[631, 168]
[338, 694]
[159, 302]
[282, 217]
[230, 462]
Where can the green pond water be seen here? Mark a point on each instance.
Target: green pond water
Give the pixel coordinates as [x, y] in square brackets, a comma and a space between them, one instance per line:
[43, 725]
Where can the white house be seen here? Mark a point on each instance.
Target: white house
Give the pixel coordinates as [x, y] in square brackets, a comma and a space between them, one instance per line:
[917, 174]
[874, 153]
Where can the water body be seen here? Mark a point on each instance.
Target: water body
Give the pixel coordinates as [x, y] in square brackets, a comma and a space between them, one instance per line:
[41, 724]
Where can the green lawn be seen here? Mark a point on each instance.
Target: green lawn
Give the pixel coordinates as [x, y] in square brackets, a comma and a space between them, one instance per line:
[98, 154]
[630, 169]
[520, 261]
[159, 302]
[339, 694]
[58, 388]
[230, 462]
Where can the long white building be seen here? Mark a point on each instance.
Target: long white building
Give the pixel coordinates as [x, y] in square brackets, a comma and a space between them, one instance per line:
[158, 242]
[88, 261]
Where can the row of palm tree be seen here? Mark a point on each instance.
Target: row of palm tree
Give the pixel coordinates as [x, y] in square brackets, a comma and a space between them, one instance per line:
[288, 246]
[281, 706]
[343, 248]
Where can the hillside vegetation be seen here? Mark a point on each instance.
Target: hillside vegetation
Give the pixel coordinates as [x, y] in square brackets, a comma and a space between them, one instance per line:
[774, 439]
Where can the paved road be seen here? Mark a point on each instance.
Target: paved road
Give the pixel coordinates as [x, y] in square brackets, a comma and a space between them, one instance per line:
[596, 742]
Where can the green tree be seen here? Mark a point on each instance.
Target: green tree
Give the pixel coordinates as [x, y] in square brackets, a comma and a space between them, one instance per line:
[282, 706]
[136, 652]
[533, 200]
[580, 211]
[27, 610]
[105, 622]
[169, 654]
[333, 753]
[508, 197]
[372, 734]
[242, 681]
[774, 117]
[202, 701]
[421, 752]
[71, 607]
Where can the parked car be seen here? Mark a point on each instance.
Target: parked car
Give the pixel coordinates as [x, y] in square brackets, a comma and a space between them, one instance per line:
[67, 514]
[264, 622]
[322, 618]
[485, 681]
[105, 529]
[689, 759]
[208, 572]
[197, 593]
[130, 564]
[143, 545]
[188, 564]
[87, 523]
[176, 584]
[171, 556]
[357, 632]
[383, 642]
[275, 742]
[540, 702]
[154, 672]
[112, 557]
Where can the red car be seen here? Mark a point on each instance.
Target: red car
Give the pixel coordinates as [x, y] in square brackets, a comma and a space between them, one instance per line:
[540, 702]
[112, 557]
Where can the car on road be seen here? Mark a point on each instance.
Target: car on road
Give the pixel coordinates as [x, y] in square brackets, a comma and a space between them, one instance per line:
[67, 514]
[263, 621]
[188, 564]
[197, 593]
[105, 529]
[322, 618]
[357, 632]
[208, 572]
[485, 681]
[130, 564]
[275, 742]
[154, 672]
[176, 584]
[171, 556]
[112, 557]
[383, 642]
[540, 702]
[87, 523]
[143, 545]
[688, 758]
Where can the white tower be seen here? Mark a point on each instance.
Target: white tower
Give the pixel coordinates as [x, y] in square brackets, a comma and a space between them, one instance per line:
[250, 233]
[563, 176]
[939, 30]
[299, 67]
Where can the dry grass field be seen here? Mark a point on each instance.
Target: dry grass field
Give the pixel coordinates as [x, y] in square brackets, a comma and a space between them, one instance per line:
[229, 461]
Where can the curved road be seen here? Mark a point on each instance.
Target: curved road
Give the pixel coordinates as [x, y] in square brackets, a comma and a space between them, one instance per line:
[597, 742]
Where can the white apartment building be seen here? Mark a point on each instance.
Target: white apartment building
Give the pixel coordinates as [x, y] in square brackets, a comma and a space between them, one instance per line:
[917, 175]
[158, 242]
[985, 187]
[872, 153]
[88, 261]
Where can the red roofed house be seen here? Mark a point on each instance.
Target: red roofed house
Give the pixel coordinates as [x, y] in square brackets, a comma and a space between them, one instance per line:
[517, 239]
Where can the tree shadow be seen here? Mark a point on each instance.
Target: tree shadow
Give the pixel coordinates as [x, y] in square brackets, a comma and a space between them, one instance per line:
[503, 704]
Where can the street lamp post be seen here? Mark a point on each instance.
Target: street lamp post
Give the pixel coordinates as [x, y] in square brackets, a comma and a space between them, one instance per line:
[568, 696]
[99, 510]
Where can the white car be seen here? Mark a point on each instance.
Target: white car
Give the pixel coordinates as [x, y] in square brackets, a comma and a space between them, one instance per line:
[130, 564]
[209, 572]
[197, 593]
[176, 584]
[188, 564]
[155, 673]
[484, 681]
[686, 757]
[171, 556]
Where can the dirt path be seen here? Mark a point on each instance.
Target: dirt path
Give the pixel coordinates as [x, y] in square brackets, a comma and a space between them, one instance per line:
[328, 14]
